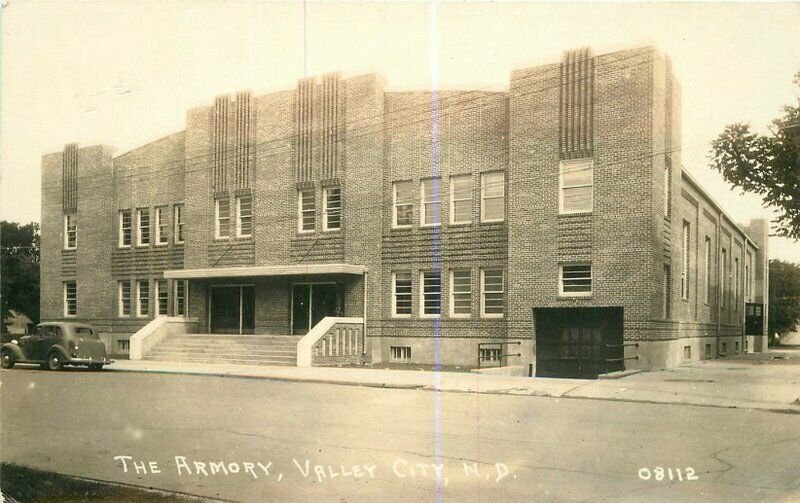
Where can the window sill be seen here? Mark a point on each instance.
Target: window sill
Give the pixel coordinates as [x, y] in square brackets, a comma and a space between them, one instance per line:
[460, 316]
[404, 228]
[573, 296]
[430, 226]
[332, 230]
[430, 316]
[574, 213]
[493, 222]
[401, 316]
[492, 316]
[161, 244]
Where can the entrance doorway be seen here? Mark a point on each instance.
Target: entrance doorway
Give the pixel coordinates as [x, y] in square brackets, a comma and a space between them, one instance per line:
[232, 309]
[311, 302]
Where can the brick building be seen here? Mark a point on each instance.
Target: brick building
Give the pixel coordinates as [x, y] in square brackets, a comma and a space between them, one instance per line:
[550, 226]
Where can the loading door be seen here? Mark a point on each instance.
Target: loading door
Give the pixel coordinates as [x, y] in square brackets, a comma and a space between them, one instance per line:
[578, 342]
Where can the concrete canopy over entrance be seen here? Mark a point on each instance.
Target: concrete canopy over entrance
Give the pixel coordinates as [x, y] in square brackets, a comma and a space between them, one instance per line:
[272, 270]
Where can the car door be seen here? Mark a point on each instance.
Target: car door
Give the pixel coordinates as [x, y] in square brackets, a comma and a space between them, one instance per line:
[30, 344]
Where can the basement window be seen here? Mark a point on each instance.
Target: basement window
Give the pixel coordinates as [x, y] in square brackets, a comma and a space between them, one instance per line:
[708, 350]
[687, 353]
[400, 354]
[123, 346]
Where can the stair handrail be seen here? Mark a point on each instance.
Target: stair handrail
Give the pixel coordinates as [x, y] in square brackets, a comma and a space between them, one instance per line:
[305, 345]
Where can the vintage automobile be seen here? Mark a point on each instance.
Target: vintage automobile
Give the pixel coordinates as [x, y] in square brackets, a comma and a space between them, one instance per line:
[55, 344]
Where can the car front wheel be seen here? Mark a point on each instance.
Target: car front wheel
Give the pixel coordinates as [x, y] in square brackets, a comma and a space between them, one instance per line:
[54, 361]
[8, 359]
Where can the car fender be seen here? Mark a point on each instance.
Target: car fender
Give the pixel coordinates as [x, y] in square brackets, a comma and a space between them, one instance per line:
[18, 353]
[61, 350]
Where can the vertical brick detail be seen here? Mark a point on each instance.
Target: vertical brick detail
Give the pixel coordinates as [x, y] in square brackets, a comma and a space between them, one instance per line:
[330, 124]
[243, 145]
[69, 178]
[304, 128]
[576, 105]
[220, 138]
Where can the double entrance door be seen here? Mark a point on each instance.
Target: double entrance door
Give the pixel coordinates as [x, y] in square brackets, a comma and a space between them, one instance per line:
[311, 302]
[232, 309]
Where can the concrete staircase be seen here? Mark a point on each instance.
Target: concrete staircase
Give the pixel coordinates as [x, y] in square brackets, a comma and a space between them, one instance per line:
[238, 349]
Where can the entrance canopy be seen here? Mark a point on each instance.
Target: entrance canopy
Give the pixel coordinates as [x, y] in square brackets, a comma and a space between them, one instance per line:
[272, 270]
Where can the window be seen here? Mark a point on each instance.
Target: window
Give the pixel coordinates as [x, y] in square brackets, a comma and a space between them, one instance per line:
[685, 262]
[403, 212]
[332, 209]
[142, 297]
[576, 279]
[180, 298]
[70, 231]
[492, 288]
[431, 293]
[723, 285]
[400, 354]
[306, 210]
[178, 220]
[143, 227]
[401, 288]
[162, 226]
[490, 357]
[70, 299]
[576, 186]
[687, 353]
[736, 284]
[125, 228]
[125, 298]
[736, 347]
[461, 293]
[162, 294]
[747, 297]
[707, 292]
[429, 195]
[724, 347]
[222, 226]
[123, 346]
[461, 199]
[244, 216]
[708, 350]
[493, 197]
[667, 304]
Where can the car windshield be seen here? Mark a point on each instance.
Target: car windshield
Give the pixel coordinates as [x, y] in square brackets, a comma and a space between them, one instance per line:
[85, 332]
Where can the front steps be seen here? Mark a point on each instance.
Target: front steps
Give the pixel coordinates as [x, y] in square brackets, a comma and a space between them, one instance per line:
[238, 349]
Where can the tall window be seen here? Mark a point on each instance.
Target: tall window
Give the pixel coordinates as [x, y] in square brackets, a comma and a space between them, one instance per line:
[125, 228]
[244, 216]
[222, 213]
[576, 186]
[431, 293]
[70, 299]
[70, 231]
[178, 221]
[162, 226]
[332, 209]
[707, 259]
[493, 197]
[492, 288]
[461, 199]
[666, 297]
[403, 204]
[142, 297]
[180, 298]
[576, 279]
[143, 227]
[162, 297]
[306, 210]
[460, 293]
[124, 298]
[429, 196]
[736, 284]
[685, 262]
[401, 298]
[723, 284]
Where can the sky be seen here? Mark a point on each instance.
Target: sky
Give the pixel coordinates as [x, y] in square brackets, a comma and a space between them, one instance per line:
[125, 73]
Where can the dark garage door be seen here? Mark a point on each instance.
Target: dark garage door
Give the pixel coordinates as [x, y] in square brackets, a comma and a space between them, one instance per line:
[578, 342]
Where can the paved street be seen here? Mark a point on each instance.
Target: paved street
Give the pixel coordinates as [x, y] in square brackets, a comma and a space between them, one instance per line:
[347, 443]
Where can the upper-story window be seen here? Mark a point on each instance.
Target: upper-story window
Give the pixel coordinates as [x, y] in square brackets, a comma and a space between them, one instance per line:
[306, 210]
[143, 227]
[222, 221]
[576, 179]
[332, 209]
[125, 228]
[736, 284]
[429, 196]
[162, 225]
[178, 223]
[685, 261]
[244, 216]
[460, 199]
[70, 231]
[493, 197]
[576, 280]
[723, 283]
[403, 204]
[70, 299]
[707, 260]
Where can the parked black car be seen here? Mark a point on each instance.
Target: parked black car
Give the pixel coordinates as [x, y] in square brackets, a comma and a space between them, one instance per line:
[55, 344]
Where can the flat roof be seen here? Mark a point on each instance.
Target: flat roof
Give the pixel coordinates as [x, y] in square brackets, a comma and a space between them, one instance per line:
[271, 270]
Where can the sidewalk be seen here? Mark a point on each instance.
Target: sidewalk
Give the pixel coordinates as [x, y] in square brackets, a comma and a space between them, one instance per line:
[764, 381]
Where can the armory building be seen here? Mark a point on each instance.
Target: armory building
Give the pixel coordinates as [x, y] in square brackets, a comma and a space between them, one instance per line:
[549, 227]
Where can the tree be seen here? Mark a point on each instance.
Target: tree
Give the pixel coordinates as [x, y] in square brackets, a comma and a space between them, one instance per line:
[784, 297]
[19, 269]
[766, 165]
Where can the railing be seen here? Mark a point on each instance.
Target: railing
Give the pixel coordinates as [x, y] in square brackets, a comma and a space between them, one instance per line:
[143, 341]
[332, 341]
